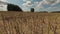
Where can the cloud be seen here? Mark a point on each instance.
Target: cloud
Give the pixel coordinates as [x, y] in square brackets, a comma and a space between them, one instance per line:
[26, 0]
[48, 2]
[27, 4]
[51, 2]
[3, 0]
[53, 9]
[40, 5]
[36, 3]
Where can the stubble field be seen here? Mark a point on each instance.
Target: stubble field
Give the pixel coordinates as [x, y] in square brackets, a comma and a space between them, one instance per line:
[29, 23]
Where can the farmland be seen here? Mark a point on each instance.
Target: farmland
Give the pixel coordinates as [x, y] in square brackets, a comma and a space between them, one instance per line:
[29, 23]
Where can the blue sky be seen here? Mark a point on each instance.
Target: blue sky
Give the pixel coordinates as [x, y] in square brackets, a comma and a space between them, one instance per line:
[38, 5]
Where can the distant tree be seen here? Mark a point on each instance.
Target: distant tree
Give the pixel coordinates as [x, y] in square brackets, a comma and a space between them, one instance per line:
[55, 12]
[32, 9]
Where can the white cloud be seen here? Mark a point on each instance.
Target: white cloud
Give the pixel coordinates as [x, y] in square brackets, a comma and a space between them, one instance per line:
[36, 3]
[26, 0]
[40, 5]
[48, 2]
[53, 9]
[51, 2]
[3, 0]
[27, 4]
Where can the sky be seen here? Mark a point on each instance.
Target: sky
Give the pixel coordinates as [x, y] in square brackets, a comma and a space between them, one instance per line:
[38, 5]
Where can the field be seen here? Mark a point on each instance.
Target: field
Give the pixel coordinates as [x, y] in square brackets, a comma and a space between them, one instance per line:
[29, 23]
